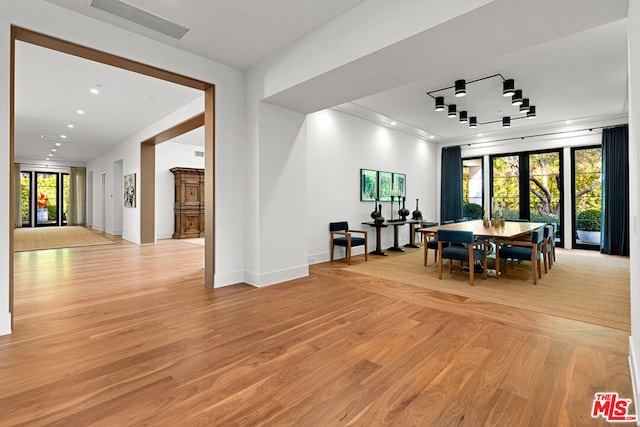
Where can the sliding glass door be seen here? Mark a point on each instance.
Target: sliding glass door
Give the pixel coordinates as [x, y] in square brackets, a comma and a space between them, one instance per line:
[46, 198]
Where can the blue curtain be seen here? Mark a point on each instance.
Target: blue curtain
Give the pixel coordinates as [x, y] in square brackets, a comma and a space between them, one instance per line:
[451, 184]
[615, 191]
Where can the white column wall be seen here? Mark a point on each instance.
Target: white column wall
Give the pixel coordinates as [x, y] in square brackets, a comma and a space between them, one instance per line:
[282, 213]
[634, 191]
[339, 145]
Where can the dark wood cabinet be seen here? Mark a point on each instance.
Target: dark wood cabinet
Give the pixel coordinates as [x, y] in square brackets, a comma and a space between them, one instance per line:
[189, 203]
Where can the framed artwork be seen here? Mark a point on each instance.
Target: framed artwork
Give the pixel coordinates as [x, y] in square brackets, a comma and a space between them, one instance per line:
[130, 190]
[368, 185]
[385, 182]
[399, 185]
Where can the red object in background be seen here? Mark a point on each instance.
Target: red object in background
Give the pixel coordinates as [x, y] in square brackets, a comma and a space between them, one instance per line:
[42, 203]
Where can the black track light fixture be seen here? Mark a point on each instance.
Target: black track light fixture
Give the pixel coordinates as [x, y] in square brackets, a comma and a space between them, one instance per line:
[532, 112]
[516, 99]
[460, 88]
[508, 87]
[452, 111]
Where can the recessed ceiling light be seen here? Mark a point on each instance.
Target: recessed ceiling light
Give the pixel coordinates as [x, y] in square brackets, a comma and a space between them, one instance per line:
[393, 123]
[432, 137]
[50, 155]
[94, 91]
[70, 126]
[53, 150]
[80, 111]
[58, 144]
[63, 136]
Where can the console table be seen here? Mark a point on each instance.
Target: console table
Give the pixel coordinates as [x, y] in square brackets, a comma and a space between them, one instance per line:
[396, 225]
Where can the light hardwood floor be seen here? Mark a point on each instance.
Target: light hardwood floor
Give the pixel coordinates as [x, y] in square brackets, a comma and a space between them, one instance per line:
[127, 335]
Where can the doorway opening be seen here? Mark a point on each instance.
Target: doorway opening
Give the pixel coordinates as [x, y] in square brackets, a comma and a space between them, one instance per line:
[28, 36]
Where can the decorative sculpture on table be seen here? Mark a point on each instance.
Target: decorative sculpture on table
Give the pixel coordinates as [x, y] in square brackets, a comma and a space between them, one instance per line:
[403, 212]
[379, 219]
[377, 214]
[416, 215]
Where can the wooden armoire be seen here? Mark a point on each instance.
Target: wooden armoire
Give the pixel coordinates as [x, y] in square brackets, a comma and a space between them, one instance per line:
[189, 203]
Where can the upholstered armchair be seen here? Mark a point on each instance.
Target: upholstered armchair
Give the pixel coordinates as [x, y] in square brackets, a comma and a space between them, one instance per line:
[461, 246]
[341, 235]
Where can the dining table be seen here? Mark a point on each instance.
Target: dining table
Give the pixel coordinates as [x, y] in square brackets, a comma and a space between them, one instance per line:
[509, 230]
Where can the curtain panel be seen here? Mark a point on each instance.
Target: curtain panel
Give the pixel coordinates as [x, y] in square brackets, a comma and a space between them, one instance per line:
[77, 196]
[451, 184]
[615, 191]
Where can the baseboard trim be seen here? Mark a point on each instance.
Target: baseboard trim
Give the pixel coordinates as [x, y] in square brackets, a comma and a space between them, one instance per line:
[635, 381]
[274, 277]
[5, 324]
[227, 279]
[338, 254]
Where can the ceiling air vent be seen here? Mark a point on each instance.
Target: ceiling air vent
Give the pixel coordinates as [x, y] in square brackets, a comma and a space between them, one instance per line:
[141, 17]
[199, 153]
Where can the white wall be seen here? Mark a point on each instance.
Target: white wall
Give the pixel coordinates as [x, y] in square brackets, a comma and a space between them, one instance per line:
[634, 191]
[171, 155]
[118, 199]
[339, 145]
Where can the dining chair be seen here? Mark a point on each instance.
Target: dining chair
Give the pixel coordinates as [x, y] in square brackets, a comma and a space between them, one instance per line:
[549, 237]
[347, 241]
[532, 250]
[461, 246]
[430, 242]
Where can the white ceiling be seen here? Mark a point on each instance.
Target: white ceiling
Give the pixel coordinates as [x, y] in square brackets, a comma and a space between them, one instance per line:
[577, 78]
[580, 75]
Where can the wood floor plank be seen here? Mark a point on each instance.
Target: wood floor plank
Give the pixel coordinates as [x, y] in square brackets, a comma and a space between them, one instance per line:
[124, 334]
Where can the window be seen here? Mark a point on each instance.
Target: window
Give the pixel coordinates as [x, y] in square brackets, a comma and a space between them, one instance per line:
[587, 196]
[506, 185]
[25, 198]
[472, 192]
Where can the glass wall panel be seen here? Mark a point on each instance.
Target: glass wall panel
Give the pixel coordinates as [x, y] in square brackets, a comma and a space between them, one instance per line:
[46, 198]
[506, 184]
[587, 200]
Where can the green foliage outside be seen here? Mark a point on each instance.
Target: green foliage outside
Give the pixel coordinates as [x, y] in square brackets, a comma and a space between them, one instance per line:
[472, 211]
[588, 220]
[545, 185]
[25, 185]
